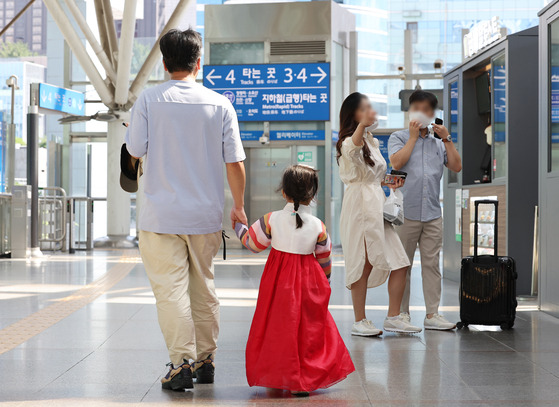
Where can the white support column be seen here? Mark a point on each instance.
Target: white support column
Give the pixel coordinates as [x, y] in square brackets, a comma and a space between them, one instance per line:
[125, 52]
[118, 201]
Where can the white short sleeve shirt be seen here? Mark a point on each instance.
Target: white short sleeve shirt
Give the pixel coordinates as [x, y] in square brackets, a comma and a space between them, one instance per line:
[186, 132]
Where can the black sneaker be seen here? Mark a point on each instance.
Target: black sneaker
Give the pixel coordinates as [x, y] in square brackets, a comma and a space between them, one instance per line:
[178, 378]
[204, 370]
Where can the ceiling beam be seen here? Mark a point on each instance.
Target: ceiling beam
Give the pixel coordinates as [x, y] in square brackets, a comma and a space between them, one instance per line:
[79, 50]
[90, 37]
[16, 17]
[110, 30]
[101, 24]
[125, 47]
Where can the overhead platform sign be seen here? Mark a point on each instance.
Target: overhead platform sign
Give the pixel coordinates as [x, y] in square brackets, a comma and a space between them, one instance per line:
[274, 92]
[61, 100]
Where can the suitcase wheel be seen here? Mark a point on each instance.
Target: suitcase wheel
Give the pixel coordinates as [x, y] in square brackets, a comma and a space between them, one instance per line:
[461, 325]
[507, 325]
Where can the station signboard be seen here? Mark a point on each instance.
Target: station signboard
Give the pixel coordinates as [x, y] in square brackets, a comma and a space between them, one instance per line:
[274, 92]
[61, 100]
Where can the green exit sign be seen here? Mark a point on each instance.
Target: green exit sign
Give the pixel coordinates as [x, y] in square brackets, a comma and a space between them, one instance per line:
[304, 157]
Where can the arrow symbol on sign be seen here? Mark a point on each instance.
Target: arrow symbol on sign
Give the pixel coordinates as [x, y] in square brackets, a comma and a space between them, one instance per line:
[322, 75]
[44, 96]
[209, 77]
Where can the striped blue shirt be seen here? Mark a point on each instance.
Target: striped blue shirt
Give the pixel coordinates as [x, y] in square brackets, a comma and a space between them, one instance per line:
[425, 169]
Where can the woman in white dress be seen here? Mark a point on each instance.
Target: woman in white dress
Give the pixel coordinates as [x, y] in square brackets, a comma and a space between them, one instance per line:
[372, 250]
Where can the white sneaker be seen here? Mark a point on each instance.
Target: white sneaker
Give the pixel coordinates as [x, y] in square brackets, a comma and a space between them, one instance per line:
[400, 325]
[365, 328]
[406, 316]
[438, 323]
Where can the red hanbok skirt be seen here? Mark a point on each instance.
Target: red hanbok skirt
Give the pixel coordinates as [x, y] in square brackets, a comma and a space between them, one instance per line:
[294, 343]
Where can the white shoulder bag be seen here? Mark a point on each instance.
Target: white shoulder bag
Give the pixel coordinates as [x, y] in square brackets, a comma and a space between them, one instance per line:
[394, 208]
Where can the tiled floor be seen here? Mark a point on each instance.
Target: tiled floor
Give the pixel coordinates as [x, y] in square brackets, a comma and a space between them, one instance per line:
[111, 352]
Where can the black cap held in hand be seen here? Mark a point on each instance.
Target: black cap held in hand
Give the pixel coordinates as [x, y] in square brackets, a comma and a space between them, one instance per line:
[129, 167]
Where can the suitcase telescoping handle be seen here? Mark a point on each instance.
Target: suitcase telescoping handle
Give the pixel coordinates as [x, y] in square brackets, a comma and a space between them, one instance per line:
[495, 234]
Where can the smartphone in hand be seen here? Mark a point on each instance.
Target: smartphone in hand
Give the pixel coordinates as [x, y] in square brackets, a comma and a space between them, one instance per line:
[390, 179]
[397, 172]
[439, 122]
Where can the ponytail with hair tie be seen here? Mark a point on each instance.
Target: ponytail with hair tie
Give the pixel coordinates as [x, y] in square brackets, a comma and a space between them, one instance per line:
[297, 216]
[299, 184]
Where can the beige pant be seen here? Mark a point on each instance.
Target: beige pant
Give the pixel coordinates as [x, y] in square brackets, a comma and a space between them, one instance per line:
[429, 236]
[180, 270]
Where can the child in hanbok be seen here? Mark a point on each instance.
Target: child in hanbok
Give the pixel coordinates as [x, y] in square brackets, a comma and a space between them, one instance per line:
[294, 343]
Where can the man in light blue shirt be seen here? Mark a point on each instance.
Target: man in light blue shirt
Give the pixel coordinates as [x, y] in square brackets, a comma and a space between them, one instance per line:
[423, 155]
[185, 132]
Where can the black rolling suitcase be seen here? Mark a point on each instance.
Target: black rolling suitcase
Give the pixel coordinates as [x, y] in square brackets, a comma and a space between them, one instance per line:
[487, 283]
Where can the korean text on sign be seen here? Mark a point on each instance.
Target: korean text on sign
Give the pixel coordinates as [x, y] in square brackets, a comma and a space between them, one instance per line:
[279, 92]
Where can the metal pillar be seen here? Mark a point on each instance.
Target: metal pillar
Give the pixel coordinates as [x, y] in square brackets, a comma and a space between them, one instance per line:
[33, 174]
[11, 139]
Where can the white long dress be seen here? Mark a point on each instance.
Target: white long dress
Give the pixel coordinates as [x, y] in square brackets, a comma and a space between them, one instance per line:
[362, 225]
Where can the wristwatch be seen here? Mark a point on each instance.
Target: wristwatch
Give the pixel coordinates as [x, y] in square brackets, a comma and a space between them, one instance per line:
[447, 140]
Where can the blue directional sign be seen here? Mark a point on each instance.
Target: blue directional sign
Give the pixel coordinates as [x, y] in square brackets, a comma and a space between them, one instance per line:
[499, 98]
[62, 100]
[454, 111]
[274, 92]
[554, 79]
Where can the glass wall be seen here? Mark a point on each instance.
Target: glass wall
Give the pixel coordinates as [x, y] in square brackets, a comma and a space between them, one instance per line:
[553, 164]
[499, 112]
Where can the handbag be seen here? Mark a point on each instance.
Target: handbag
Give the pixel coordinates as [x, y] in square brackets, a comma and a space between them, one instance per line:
[394, 208]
